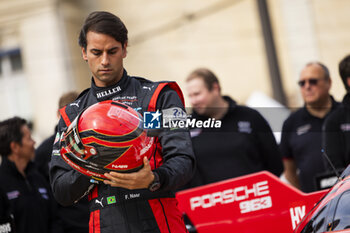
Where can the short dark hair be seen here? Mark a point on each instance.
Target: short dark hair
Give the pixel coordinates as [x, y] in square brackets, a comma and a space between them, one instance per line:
[326, 73]
[344, 71]
[206, 75]
[67, 98]
[105, 23]
[10, 131]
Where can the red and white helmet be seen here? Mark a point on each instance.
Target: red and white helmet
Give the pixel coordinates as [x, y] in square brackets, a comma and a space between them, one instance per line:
[107, 136]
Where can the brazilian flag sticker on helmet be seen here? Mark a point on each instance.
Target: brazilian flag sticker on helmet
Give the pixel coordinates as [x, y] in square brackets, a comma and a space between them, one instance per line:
[111, 200]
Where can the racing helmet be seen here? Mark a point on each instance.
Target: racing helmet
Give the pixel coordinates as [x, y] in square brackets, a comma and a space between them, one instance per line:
[107, 136]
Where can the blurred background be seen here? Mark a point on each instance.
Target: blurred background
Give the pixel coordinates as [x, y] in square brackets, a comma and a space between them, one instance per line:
[256, 47]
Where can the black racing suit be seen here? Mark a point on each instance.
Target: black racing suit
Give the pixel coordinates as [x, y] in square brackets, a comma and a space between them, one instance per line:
[134, 210]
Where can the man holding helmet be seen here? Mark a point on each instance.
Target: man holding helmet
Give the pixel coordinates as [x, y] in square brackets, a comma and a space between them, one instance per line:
[140, 201]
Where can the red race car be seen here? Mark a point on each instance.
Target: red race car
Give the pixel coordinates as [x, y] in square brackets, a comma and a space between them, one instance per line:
[261, 203]
[332, 213]
[256, 203]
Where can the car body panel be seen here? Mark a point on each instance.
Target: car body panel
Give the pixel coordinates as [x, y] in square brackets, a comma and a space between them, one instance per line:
[259, 202]
[331, 213]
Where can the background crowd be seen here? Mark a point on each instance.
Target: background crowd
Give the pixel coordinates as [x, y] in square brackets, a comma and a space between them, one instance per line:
[313, 145]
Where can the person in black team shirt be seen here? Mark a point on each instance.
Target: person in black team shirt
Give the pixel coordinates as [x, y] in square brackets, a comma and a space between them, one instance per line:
[75, 218]
[242, 145]
[301, 139]
[152, 206]
[6, 217]
[336, 133]
[27, 191]
[44, 150]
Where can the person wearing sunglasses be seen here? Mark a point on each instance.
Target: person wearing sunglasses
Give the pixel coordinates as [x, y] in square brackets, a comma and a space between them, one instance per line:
[336, 133]
[301, 139]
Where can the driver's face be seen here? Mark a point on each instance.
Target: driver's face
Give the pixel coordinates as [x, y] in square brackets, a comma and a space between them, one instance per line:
[105, 58]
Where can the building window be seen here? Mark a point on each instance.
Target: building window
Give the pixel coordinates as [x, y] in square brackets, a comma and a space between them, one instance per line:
[0, 67]
[14, 88]
[16, 61]
[10, 62]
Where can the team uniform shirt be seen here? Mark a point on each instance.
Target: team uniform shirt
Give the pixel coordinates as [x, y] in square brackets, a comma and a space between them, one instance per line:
[30, 200]
[242, 145]
[75, 218]
[302, 141]
[120, 210]
[337, 135]
[43, 155]
[6, 217]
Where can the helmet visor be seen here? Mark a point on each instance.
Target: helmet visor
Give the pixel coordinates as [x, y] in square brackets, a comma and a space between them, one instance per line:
[72, 142]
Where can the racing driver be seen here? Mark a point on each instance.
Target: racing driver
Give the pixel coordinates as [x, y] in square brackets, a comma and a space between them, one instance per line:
[141, 201]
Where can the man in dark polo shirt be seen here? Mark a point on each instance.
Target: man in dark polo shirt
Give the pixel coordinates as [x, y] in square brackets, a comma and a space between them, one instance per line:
[302, 131]
[244, 142]
[337, 127]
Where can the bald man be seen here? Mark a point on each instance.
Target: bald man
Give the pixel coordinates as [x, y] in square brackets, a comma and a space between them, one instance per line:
[301, 140]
